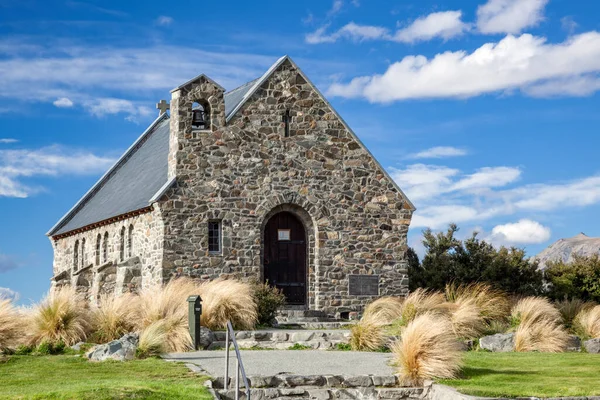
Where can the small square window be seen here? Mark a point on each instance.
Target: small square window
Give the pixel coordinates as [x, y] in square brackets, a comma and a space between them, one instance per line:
[214, 237]
[283, 234]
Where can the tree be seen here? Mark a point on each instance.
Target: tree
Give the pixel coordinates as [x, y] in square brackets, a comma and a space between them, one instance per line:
[577, 279]
[448, 259]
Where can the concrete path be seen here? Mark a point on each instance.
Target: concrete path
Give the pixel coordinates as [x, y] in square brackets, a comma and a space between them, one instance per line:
[296, 362]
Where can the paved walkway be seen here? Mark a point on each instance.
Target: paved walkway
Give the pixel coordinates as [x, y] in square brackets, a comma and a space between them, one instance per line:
[296, 362]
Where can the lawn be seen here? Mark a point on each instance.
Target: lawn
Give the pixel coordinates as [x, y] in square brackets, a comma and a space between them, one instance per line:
[529, 374]
[72, 377]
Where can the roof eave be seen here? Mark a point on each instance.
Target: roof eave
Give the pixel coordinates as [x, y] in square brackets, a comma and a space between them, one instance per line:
[196, 78]
[100, 181]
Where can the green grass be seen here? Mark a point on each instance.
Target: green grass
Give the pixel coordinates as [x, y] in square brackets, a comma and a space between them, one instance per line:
[529, 374]
[73, 377]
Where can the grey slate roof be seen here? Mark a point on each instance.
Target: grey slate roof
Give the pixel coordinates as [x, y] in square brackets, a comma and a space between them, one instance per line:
[235, 96]
[129, 185]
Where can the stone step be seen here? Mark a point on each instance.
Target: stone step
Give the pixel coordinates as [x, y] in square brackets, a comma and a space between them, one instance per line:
[319, 393]
[317, 325]
[283, 339]
[323, 381]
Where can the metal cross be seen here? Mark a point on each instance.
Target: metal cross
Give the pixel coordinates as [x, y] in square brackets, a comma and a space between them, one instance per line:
[163, 106]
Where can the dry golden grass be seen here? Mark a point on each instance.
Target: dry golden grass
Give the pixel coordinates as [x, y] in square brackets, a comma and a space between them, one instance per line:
[569, 309]
[164, 309]
[418, 302]
[385, 310]
[493, 304]
[428, 349]
[367, 335]
[541, 335]
[11, 325]
[228, 300]
[153, 340]
[62, 316]
[587, 322]
[532, 309]
[114, 316]
[465, 317]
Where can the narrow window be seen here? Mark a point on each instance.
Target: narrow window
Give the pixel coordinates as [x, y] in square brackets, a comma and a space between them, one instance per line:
[214, 237]
[286, 121]
[105, 248]
[122, 245]
[76, 255]
[83, 260]
[130, 242]
[98, 244]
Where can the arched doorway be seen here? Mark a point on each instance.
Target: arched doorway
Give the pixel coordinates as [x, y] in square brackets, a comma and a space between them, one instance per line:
[285, 255]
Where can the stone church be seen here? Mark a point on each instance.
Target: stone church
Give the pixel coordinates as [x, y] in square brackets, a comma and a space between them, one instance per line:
[264, 182]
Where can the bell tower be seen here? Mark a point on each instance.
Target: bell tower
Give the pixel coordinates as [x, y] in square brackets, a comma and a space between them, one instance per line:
[197, 109]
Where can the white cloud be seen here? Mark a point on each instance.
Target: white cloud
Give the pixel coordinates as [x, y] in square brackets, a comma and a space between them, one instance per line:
[63, 102]
[526, 62]
[8, 141]
[439, 152]
[524, 231]
[444, 195]
[15, 165]
[6, 293]
[568, 24]
[164, 20]
[336, 7]
[105, 106]
[444, 24]
[509, 16]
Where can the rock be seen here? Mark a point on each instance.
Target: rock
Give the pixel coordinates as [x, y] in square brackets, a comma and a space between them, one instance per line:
[574, 343]
[500, 342]
[77, 346]
[206, 337]
[120, 350]
[592, 346]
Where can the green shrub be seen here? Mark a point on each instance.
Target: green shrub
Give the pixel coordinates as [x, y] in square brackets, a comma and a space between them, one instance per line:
[579, 279]
[51, 348]
[343, 347]
[268, 300]
[23, 350]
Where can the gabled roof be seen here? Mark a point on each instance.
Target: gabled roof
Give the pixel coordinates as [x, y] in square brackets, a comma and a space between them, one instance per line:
[128, 186]
[198, 77]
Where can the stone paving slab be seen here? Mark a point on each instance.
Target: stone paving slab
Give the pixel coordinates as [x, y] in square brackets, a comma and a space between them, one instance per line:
[299, 362]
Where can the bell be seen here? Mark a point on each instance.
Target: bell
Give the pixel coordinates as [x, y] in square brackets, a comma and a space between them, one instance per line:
[199, 119]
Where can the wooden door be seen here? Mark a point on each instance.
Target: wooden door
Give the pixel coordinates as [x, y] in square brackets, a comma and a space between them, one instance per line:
[285, 256]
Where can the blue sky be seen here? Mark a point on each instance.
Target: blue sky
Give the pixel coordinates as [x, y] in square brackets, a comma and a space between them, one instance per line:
[485, 112]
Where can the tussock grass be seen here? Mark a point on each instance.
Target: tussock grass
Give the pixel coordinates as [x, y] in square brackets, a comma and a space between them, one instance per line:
[587, 322]
[367, 335]
[153, 340]
[420, 301]
[62, 316]
[384, 310]
[228, 300]
[428, 349]
[11, 325]
[114, 316]
[465, 317]
[538, 326]
[493, 304]
[569, 309]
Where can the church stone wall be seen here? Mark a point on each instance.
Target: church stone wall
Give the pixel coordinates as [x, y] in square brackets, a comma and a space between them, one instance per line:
[113, 275]
[240, 172]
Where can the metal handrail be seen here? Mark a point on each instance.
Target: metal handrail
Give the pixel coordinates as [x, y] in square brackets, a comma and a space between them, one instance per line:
[230, 337]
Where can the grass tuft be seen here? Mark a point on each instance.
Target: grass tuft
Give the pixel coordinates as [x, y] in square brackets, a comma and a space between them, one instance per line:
[228, 300]
[587, 323]
[113, 316]
[153, 340]
[11, 325]
[493, 304]
[367, 335]
[569, 309]
[384, 310]
[428, 349]
[62, 316]
[538, 326]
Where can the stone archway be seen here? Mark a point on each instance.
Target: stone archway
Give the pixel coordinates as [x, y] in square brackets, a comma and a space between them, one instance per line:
[290, 262]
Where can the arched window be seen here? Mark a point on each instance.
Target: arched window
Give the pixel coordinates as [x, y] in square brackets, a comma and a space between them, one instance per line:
[200, 115]
[76, 255]
[122, 245]
[83, 259]
[130, 242]
[105, 248]
[98, 245]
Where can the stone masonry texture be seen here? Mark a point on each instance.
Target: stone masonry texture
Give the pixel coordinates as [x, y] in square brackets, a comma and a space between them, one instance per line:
[242, 172]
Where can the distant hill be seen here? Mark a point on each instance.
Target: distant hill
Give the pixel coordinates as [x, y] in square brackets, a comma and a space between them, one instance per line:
[564, 249]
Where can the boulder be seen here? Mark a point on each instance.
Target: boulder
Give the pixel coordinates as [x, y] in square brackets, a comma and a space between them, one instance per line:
[574, 343]
[500, 342]
[77, 346]
[119, 350]
[206, 337]
[592, 346]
